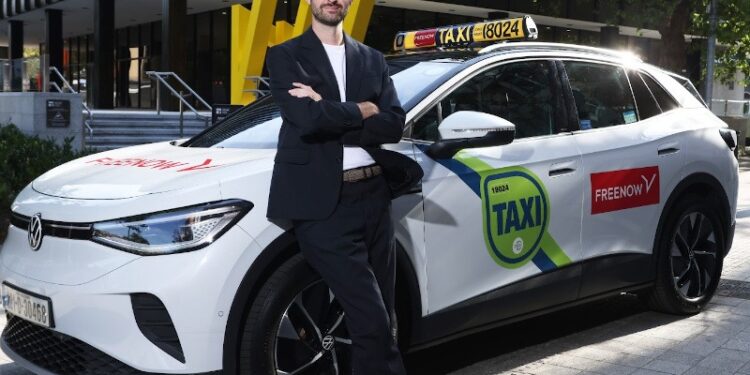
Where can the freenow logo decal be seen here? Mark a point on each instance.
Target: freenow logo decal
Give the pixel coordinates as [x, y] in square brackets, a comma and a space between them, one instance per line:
[628, 188]
[161, 164]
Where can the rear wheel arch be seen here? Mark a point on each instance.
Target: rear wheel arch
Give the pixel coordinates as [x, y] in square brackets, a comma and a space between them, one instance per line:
[281, 250]
[702, 184]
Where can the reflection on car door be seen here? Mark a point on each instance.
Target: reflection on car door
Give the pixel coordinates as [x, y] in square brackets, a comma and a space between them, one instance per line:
[497, 216]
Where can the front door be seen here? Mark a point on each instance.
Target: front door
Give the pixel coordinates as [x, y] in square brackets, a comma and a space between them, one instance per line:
[498, 215]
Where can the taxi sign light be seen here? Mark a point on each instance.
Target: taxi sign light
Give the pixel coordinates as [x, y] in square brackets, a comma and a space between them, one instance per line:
[520, 28]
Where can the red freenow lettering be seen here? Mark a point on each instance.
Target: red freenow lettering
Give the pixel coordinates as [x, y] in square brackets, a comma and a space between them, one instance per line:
[203, 165]
[425, 38]
[623, 189]
[159, 164]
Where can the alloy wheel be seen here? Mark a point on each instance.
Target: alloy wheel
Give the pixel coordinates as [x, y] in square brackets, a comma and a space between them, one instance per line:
[312, 338]
[693, 255]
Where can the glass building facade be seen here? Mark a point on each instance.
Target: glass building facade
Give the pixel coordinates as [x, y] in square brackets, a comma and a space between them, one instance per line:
[207, 35]
[138, 50]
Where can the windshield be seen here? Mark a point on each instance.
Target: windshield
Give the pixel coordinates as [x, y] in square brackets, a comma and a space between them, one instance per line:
[257, 125]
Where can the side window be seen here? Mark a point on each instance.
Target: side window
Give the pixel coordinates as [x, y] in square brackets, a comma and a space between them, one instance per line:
[601, 93]
[521, 93]
[647, 105]
[666, 102]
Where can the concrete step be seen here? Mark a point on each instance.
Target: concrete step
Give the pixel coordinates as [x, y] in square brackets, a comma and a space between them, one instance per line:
[125, 131]
[145, 123]
[122, 128]
[129, 139]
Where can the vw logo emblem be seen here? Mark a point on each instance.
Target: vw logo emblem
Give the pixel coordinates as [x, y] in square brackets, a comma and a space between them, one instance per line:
[328, 342]
[35, 232]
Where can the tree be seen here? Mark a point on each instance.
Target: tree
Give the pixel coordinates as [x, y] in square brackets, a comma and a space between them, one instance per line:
[676, 18]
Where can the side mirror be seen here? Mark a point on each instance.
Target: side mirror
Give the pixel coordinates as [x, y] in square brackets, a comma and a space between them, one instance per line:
[470, 129]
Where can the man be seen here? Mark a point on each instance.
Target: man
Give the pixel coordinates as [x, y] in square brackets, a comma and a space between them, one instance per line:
[338, 105]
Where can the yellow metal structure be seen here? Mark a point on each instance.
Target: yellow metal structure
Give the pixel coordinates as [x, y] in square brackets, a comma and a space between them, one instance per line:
[253, 31]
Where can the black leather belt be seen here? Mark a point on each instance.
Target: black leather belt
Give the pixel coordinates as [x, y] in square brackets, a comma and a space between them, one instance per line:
[361, 173]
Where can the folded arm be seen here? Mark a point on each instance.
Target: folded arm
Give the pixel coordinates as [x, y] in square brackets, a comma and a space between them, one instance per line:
[387, 126]
[311, 117]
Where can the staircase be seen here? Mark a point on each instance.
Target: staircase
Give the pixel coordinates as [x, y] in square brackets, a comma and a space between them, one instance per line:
[115, 129]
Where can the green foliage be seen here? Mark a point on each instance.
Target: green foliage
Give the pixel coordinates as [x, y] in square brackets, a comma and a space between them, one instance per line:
[24, 158]
[733, 29]
[732, 36]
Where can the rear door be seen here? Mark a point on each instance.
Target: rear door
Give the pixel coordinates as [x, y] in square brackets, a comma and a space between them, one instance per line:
[632, 156]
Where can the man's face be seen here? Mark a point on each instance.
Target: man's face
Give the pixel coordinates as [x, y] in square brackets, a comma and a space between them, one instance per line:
[330, 12]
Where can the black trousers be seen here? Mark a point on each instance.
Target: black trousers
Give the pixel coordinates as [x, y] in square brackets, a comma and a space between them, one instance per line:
[354, 252]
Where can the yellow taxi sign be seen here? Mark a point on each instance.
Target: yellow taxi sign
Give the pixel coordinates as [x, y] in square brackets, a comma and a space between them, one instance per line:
[520, 28]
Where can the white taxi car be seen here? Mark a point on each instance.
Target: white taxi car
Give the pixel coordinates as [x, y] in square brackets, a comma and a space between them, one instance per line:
[554, 174]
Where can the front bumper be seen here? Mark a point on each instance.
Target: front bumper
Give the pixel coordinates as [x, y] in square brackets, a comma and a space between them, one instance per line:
[96, 319]
[40, 350]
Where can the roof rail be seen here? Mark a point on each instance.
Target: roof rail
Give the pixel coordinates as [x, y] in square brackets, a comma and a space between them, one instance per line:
[560, 47]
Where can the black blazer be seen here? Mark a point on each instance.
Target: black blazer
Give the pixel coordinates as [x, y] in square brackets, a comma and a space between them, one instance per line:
[307, 174]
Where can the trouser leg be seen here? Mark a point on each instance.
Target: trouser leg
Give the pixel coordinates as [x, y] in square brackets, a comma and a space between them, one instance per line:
[337, 248]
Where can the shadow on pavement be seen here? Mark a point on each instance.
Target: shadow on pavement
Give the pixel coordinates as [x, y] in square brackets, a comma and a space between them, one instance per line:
[468, 350]
[13, 369]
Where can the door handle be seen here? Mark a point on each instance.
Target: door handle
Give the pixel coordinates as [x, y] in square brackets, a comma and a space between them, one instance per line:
[559, 169]
[668, 148]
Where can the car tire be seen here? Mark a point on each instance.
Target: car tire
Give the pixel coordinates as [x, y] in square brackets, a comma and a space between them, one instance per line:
[689, 257]
[277, 334]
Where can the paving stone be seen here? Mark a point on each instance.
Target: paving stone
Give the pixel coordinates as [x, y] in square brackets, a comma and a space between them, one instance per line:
[680, 357]
[745, 369]
[725, 359]
[549, 369]
[742, 309]
[667, 366]
[642, 371]
[737, 345]
[707, 371]
[721, 300]
[702, 346]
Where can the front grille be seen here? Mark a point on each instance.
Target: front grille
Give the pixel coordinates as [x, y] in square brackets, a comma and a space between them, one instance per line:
[78, 231]
[59, 353]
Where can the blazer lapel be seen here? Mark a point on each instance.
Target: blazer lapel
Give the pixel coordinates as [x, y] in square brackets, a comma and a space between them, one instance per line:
[318, 58]
[353, 68]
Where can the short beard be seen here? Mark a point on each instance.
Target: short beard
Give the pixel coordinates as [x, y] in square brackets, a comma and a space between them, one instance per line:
[322, 16]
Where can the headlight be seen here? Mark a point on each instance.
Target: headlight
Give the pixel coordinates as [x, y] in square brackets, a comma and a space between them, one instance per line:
[171, 231]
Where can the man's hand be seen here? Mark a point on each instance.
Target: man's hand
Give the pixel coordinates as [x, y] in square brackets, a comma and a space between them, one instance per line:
[368, 109]
[302, 91]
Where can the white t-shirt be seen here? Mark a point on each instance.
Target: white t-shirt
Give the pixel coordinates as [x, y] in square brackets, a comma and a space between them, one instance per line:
[353, 156]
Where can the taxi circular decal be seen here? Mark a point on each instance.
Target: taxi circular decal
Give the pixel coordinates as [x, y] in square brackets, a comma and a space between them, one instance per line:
[515, 215]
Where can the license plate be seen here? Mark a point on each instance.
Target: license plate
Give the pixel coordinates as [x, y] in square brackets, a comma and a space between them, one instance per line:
[29, 306]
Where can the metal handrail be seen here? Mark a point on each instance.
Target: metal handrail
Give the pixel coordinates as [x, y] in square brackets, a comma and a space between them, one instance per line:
[258, 81]
[160, 78]
[745, 106]
[67, 85]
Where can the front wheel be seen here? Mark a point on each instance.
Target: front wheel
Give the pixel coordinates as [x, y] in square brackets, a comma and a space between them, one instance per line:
[295, 326]
[689, 257]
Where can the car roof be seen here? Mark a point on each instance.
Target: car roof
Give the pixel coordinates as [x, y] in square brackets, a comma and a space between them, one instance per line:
[471, 54]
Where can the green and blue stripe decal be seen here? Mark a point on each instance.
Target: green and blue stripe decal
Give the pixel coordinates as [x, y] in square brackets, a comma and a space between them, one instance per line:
[547, 255]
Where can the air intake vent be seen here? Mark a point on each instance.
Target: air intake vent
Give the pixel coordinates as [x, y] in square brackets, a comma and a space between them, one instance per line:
[154, 322]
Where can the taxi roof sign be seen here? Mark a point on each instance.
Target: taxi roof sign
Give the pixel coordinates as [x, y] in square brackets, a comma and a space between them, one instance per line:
[520, 28]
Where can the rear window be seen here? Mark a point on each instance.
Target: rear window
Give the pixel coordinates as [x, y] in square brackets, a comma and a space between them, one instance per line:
[666, 102]
[602, 94]
[647, 106]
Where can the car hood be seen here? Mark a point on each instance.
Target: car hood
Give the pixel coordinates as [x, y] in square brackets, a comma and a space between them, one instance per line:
[145, 169]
